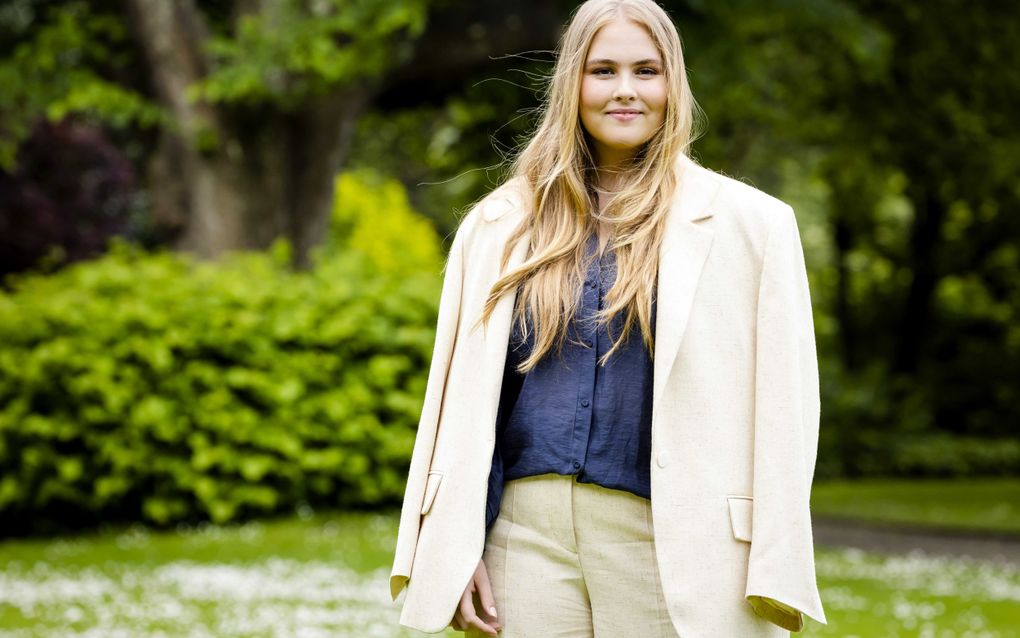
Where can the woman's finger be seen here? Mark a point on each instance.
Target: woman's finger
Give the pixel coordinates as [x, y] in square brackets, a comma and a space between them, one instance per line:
[467, 610]
[485, 597]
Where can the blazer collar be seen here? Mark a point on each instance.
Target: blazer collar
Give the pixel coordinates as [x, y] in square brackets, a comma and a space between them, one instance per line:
[697, 187]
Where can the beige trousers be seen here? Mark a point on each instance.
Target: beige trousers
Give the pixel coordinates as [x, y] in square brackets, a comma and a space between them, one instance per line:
[574, 560]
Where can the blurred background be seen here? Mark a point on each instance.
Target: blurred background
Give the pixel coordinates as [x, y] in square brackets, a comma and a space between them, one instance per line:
[222, 229]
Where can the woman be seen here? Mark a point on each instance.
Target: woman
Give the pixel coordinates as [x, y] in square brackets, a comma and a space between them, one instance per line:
[624, 381]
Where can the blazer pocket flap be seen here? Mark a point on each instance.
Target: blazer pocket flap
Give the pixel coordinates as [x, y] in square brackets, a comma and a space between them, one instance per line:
[431, 487]
[740, 516]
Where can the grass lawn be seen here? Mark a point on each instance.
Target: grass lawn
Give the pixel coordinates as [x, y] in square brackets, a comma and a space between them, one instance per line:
[327, 575]
[983, 505]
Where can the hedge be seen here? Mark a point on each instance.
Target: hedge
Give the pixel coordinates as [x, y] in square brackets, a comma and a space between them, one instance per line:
[149, 386]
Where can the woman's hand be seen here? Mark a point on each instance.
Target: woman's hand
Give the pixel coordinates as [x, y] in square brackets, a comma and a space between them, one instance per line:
[466, 616]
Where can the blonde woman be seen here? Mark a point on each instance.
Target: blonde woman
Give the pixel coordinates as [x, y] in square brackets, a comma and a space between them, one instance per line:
[621, 420]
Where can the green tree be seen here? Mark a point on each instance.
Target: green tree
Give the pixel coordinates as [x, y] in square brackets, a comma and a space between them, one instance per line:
[923, 175]
[254, 101]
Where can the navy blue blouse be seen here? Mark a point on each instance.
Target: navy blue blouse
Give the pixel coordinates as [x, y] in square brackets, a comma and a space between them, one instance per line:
[569, 416]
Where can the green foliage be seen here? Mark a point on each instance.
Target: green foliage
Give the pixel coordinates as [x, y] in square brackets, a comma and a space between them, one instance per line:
[56, 71]
[457, 148]
[75, 57]
[953, 456]
[371, 214]
[152, 386]
[290, 52]
[876, 423]
[980, 505]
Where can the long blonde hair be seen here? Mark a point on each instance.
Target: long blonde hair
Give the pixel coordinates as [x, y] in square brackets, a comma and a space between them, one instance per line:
[557, 170]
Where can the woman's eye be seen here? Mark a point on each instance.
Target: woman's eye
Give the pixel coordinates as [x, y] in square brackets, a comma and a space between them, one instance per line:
[643, 71]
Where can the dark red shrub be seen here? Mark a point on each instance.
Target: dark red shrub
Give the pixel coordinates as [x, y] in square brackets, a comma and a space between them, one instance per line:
[72, 189]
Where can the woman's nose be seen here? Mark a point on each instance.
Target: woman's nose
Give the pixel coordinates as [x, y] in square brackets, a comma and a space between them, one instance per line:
[624, 87]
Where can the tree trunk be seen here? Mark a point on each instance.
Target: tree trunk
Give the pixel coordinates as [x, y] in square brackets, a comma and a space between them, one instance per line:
[925, 240]
[289, 162]
[237, 178]
[198, 190]
[852, 204]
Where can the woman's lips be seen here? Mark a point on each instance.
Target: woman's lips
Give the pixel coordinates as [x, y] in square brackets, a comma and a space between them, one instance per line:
[625, 117]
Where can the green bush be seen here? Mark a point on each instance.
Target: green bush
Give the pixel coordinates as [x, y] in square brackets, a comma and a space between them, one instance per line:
[877, 424]
[371, 215]
[942, 455]
[150, 386]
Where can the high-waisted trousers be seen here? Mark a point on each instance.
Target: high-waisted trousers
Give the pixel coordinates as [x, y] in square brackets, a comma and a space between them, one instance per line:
[574, 560]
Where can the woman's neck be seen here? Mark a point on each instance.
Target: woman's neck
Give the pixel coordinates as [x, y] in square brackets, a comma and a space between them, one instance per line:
[608, 179]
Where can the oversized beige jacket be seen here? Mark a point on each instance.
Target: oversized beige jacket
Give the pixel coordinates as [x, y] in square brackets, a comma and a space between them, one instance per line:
[735, 415]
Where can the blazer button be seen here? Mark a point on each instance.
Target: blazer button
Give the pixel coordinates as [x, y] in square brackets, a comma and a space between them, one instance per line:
[662, 459]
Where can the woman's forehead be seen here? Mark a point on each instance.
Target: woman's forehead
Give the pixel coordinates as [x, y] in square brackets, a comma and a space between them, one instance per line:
[622, 42]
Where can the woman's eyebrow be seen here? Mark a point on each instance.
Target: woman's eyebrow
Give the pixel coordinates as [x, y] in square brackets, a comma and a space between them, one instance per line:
[613, 62]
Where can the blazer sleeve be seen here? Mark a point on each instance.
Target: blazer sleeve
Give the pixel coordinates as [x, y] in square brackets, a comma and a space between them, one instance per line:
[777, 613]
[421, 457]
[781, 582]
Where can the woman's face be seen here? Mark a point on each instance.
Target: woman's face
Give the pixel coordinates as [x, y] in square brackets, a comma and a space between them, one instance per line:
[623, 71]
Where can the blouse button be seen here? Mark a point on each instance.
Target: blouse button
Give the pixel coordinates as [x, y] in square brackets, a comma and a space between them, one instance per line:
[584, 403]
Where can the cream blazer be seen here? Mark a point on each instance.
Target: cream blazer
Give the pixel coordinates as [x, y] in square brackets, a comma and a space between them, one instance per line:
[735, 415]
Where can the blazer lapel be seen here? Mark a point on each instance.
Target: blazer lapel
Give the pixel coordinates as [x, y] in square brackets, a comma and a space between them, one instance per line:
[682, 254]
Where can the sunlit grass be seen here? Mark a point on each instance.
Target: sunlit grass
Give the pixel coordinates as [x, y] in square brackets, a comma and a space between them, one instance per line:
[867, 595]
[327, 575]
[307, 576]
